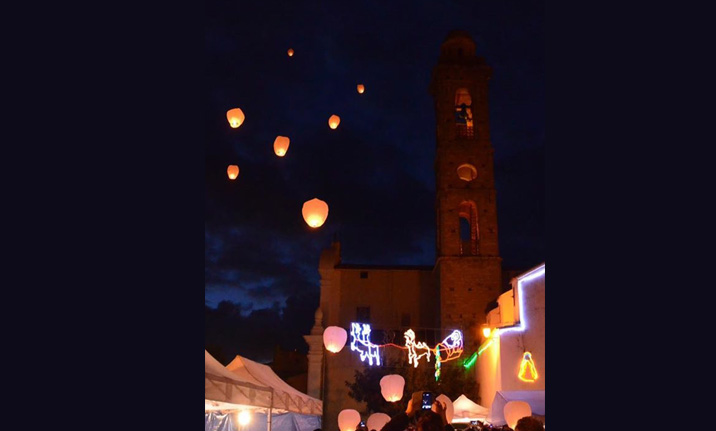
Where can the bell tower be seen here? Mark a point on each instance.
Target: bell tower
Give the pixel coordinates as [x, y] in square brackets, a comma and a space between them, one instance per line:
[468, 266]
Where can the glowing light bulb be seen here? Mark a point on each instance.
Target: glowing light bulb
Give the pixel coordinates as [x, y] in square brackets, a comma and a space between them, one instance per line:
[244, 417]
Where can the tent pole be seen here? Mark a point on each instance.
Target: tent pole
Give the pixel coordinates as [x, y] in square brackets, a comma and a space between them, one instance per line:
[269, 412]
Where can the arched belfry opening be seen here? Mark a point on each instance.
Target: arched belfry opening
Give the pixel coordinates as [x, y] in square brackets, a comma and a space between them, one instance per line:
[469, 232]
[463, 113]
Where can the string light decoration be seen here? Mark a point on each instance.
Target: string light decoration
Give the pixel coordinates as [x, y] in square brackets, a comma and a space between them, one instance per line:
[519, 327]
[447, 350]
[360, 342]
[452, 345]
[528, 371]
[471, 361]
[412, 346]
[438, 364]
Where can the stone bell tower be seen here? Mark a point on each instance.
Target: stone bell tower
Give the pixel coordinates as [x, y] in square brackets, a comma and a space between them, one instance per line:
[468, 266]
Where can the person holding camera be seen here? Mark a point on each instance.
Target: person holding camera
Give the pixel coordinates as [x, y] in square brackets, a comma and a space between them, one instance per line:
[426, 418]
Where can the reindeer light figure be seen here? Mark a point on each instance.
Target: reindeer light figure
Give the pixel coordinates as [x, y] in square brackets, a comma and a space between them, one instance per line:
[360, 334]
[412, 346]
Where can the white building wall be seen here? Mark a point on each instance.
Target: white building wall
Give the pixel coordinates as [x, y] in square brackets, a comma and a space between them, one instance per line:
[498, 366]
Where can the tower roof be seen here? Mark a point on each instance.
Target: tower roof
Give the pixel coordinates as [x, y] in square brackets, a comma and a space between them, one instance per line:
[459, 34]
[457, 46]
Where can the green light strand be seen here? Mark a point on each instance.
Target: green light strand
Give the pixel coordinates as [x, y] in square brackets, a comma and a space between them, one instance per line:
[484, 346]
[470, 362]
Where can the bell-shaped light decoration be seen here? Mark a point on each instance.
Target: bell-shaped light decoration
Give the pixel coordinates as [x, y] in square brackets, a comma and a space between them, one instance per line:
[334, 338]
[377, 421]
[361, 88]
[391, 386]
[528, 371]
[486, 332]
[232, 171]
[449, 408]
[280, 145]
[348, 420]
[334, 121]
[235, 117]
[290, 52]
[244, 418]
[516, 410]
[315, 212]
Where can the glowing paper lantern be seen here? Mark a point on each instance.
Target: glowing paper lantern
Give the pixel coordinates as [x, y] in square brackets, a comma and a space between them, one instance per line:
[334, 338]
[516, 410]
[244, 417]
[232, 171]
[280, 145]
[235, 117]
[290, 52]
[348, 420]
[315, 212]
[449, 408]
[361, 88]
[391, 386]
[334, 121]
[377, 421]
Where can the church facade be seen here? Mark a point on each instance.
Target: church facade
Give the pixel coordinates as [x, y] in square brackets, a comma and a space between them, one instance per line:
[452, 294]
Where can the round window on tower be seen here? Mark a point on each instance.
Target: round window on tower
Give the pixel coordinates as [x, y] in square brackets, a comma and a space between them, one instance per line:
[466, 172]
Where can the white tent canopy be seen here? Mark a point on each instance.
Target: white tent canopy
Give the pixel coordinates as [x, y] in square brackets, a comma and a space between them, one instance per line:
[224, 390]
[534, 398]
[466, 410]
[285, 397]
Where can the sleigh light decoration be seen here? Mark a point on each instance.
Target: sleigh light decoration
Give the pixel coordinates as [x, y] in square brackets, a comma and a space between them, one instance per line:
[447, 350]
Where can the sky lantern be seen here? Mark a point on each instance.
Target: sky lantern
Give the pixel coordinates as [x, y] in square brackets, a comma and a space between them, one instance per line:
[361, 88]
[315, 212]
[232, 171]
[348, 420]
[516, 410]
[391, 386]
[449, 408]
[280, 145]
[290, 52]
[334, 121]
[334, 338]
[377, 421]
[235, 117]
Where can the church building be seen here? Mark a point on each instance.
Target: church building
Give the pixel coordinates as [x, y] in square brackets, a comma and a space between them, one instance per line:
[433, 301]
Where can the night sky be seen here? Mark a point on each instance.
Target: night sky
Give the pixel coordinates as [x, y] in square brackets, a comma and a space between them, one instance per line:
[375, 171]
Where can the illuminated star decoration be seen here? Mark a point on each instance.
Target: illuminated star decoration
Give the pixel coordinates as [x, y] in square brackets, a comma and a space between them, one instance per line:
[411, 345]
[360, 334]
[528, 371]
